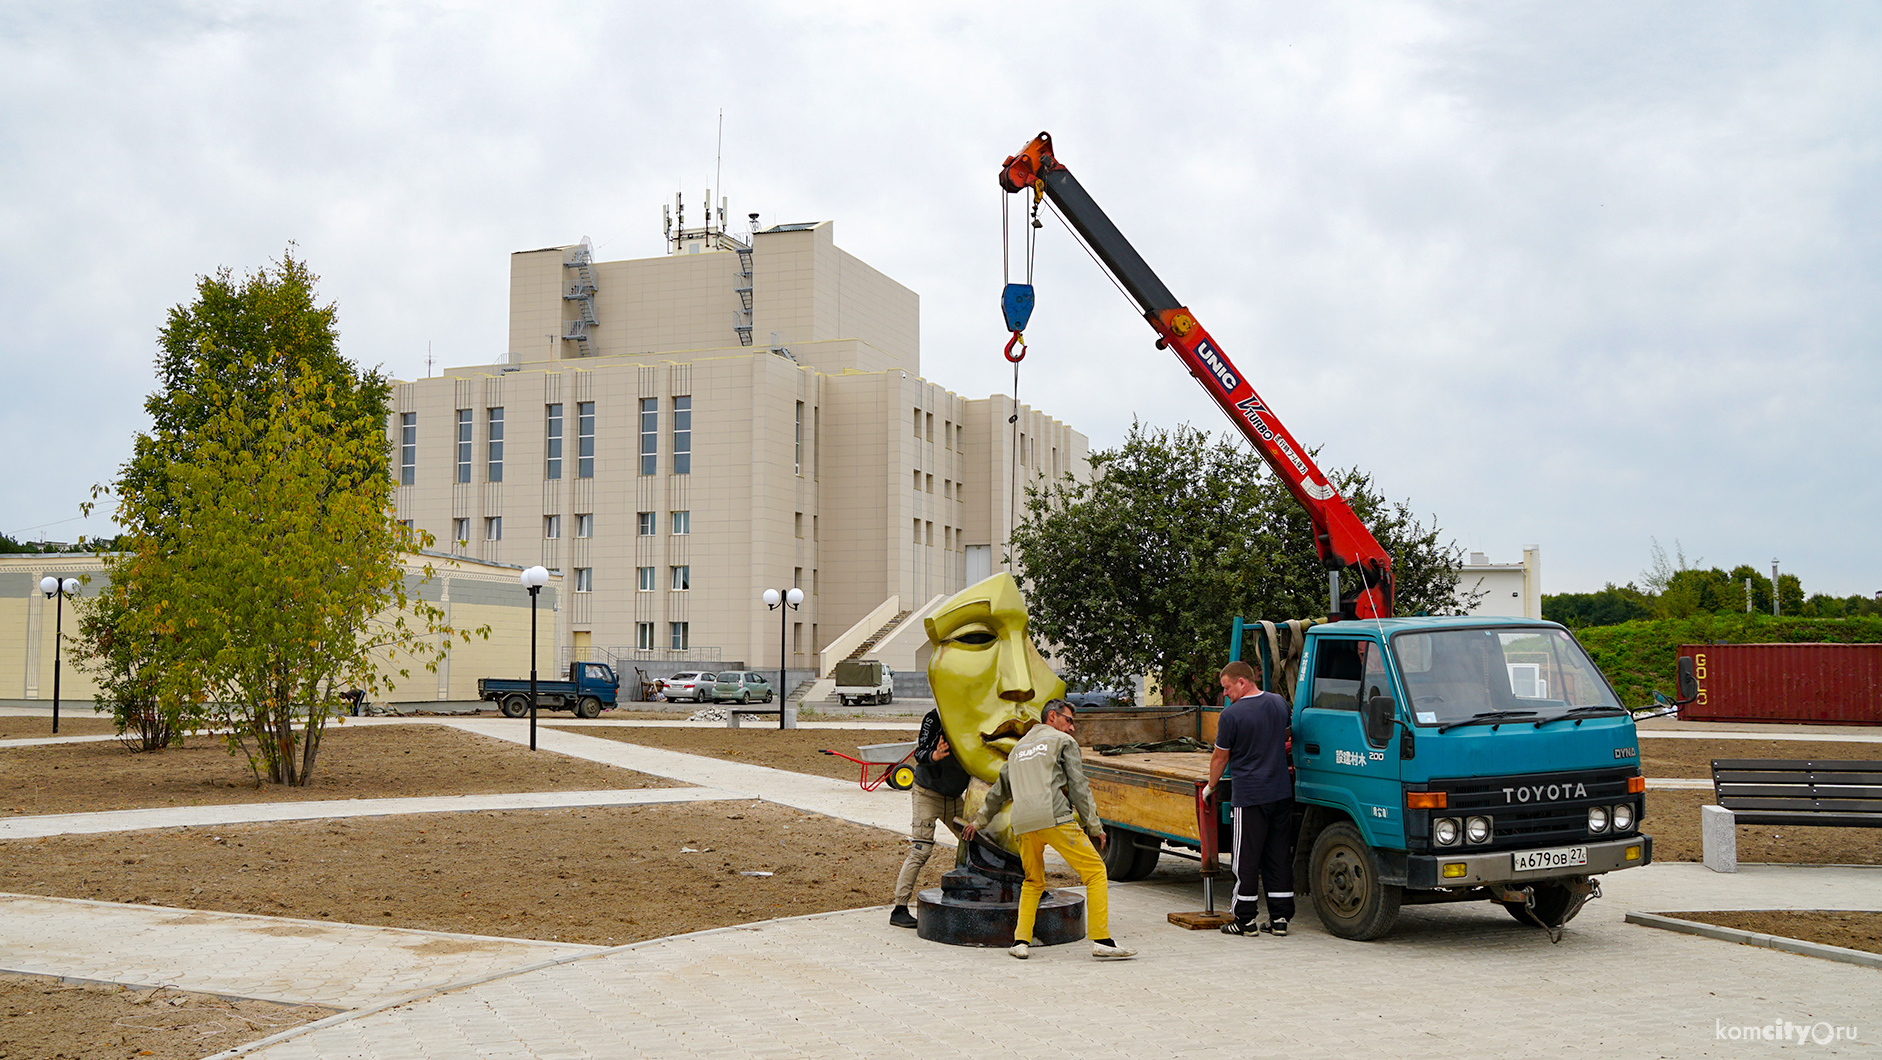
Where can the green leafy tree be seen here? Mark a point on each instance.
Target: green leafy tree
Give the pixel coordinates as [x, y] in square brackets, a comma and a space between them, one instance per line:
[1612, 605]
[1141, 569]
[261, 568]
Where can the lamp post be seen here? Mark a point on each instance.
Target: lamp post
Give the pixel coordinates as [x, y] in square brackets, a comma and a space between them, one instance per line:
[783, 603]
[533, 579]
[54, 587]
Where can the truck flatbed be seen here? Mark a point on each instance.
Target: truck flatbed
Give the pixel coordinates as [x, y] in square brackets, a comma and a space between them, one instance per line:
[1152, 792]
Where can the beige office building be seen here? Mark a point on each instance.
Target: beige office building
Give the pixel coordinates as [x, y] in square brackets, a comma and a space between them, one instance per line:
[677, 434]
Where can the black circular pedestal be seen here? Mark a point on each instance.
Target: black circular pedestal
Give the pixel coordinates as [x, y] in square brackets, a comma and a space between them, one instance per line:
[942, 917]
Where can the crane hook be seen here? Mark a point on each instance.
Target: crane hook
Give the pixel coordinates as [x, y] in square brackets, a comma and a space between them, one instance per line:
[1017, 340]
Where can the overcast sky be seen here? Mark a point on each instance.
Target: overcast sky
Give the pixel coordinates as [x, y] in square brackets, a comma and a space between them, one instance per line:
[1571, 275]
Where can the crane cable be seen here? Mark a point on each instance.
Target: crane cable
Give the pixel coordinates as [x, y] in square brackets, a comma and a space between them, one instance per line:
[1017, 302]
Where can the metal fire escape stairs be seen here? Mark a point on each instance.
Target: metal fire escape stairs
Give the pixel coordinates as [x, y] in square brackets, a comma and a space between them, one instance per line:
[741, 317]
[580, 290]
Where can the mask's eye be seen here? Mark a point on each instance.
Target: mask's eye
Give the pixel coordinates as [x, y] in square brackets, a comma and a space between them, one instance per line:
[973, 638]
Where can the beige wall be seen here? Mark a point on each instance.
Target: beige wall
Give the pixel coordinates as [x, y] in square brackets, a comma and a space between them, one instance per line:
[472, 594]
[832, 311]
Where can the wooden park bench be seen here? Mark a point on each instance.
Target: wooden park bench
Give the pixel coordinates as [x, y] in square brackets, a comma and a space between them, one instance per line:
[1793, 792]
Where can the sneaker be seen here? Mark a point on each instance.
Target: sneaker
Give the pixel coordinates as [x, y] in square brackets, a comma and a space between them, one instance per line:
[900, 917]
[1111, 952]
[1278, 928]
[1020, 950]
[1242, 927]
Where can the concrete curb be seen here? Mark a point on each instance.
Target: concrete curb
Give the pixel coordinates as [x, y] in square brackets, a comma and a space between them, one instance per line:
[1754, 938]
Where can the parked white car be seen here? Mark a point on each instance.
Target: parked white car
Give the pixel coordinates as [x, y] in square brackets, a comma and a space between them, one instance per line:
[690, 686]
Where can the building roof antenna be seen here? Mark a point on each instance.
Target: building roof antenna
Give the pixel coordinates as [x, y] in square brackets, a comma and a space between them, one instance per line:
[718, 167]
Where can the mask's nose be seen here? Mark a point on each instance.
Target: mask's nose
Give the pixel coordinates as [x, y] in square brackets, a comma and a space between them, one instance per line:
[1015, 675]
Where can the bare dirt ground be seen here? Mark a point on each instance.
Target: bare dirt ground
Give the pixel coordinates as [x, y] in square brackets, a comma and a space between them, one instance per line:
[1858, 930]
[46, 1019]
[1693, 758]
[81, 722]
[356, 762]
[798, 750]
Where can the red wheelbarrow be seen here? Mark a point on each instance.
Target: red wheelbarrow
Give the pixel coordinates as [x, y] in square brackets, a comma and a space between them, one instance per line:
[893, 757]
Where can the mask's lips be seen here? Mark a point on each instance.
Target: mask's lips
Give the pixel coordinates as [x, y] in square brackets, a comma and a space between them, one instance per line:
[1004, 736]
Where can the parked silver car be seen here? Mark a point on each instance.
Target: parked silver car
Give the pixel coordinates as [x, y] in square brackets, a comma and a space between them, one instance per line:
[741, 686]
[691, 686]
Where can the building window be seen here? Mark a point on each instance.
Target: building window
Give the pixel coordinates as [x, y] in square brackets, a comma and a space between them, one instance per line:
[553, 468]
[493, 528]
[463, 445]
[460, 531]
[816, 442]
[649, 435]
[797, 638]
[930, 535]
[930, 418]
[917, 421]
[644, 524]
[679, 635]
[584, 579]
[683, 522]
[551, 527]
[645, 579]
[928, 483]
[813, 582]
[917, 483]
[585, 440]
[947, 433]
[585, 525]
[408, 448]
[917, 524]
[682, 578]
[797, 577]
[813, 528]
[494, 420]
[797, 461]
[683, 435]
[643, 636]
[797, 525]
[406, 523]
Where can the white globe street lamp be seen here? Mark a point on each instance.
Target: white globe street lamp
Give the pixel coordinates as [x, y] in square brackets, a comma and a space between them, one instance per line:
[52, 587]
[533, 579]
[783, 602]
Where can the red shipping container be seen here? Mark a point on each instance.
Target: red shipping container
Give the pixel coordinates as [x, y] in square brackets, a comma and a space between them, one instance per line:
[1837, 684]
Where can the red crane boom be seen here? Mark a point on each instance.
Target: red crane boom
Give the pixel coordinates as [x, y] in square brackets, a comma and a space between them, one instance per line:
[1343, 541]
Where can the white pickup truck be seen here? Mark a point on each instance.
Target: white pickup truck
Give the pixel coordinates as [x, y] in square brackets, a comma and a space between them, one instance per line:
[864, 681]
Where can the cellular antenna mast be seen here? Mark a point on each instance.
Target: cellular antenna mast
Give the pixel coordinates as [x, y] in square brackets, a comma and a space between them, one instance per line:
[718, 166]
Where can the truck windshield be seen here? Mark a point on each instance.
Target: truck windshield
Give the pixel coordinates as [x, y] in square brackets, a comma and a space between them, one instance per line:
[1453, 675]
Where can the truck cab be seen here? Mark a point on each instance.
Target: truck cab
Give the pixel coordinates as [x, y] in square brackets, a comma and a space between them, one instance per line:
[1459, 759]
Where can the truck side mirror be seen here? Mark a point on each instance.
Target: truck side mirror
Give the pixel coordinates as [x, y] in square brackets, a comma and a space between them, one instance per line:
[1378, 716]
[1688, 684]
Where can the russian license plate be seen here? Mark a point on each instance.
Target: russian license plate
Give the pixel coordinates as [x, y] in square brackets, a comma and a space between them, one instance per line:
[1565, 857]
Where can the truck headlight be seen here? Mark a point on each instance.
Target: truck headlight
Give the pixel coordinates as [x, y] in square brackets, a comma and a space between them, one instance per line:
[1597, 818]
[1477, 829]
[1444, 831]
[1623, 816]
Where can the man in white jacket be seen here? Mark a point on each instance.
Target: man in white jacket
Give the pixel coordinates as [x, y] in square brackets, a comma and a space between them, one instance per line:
[1044, 779]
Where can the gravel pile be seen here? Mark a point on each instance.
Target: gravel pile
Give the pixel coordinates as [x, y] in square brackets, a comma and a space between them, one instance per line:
[708, 714]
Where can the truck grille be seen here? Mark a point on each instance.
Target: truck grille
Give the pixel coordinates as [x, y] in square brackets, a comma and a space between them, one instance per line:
[1537, 809]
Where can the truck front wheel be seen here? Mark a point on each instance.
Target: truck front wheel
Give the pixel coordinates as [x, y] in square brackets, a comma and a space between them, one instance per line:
[589, 707]
[1348, 893]
[1128, 857]
[514, 706]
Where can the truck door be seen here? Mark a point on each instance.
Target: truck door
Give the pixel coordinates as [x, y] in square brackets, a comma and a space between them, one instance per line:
[1336, 765]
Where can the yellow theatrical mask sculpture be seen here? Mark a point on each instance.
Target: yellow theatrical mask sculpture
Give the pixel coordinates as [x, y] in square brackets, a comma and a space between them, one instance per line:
[989, 684]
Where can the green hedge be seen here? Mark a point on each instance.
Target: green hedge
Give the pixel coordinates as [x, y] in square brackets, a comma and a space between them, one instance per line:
[1640, 657]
